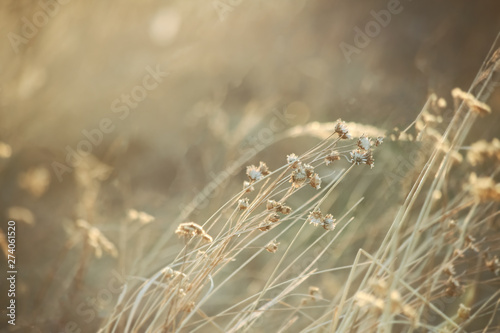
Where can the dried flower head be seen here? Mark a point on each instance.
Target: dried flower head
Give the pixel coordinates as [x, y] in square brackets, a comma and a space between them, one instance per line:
[379, 141]
[5, 150]
[493, 264]
[364, 143]
[357, 157]
[272, 204]
[264, 226]
[188, 307]
[285, 210]
[272, 247]
[243, 203]
[379, 286]
[364, 299]
[315, 217]
[329, 222]
[369, 159]
[247, 186]
[449, 269]
[168, 272]
[97, 240]
[341, 130]
[360, 157]
[191, 229]
[263, 168]
[463, 312]
[298, 176]
[309, 169]
[142, 217]
[332, 157]
[315, 293]
[273, 218]
[293, 160]
[484, 189]
[207, 238]
[482, 151]
[36, 181]
[315, 181]
[254, 173]
[453, 287]
[472, 102]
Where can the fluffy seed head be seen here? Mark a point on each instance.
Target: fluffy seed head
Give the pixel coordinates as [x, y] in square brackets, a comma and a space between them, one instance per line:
[263, 168]
[309, 169]
[315, 181]
[298, 176]
[362, 157]
[329, 222]
[293, 160]
[341, 130]
[364, 143]
[315, 218]
[254, 173]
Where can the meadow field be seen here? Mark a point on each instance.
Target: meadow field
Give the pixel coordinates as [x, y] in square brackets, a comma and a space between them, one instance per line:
[250, 166]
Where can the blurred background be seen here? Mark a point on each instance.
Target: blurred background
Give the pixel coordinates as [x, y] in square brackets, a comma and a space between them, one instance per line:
[164, 94]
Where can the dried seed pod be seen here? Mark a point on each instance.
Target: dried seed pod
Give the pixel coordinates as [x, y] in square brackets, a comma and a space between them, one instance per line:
[272, 247]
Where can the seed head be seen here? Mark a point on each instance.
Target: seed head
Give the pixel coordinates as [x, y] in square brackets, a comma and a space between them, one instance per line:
[254, 173]
[264, 226]
[463, 312]
[247, 186]
[493, 264]
[449, 269]
[191, 229]
[315, 218]
[273, 217]
[329, 222]
[357, 157]
[453, 287]
[293, 160]
[360, 157]
[484, 189]
[207, 238]
[271, 204]
[364, 143]
[379, 141]
[315, 293]
[315, 181]
[243, 203]
[332, 157]
[263, 168]
[341, 130]
[272, 247]
[309, 169]
[471, 101]
[298, 176]
[285, 210]
[188, 307]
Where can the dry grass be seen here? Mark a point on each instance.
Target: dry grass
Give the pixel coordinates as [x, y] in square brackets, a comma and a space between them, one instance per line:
[435, 269]
[227, 199]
